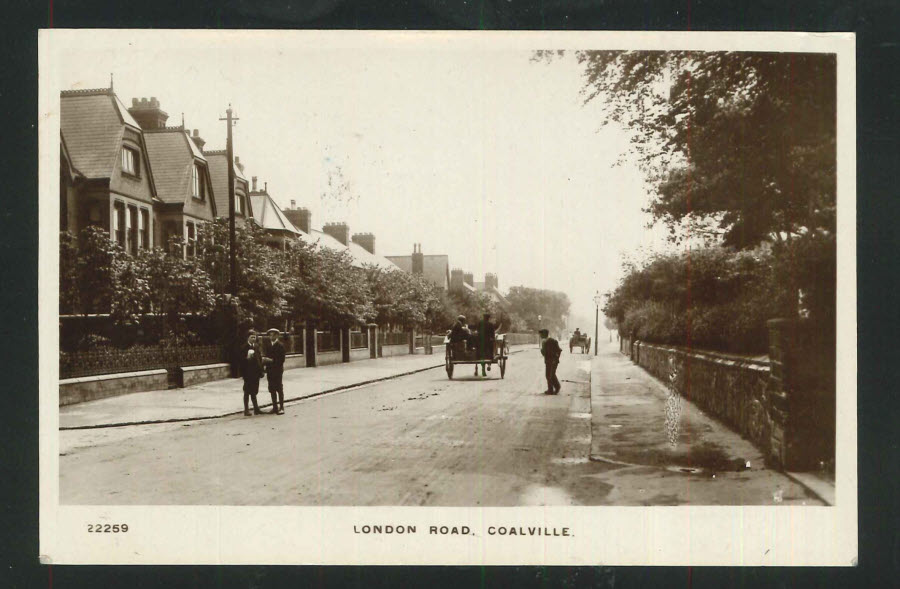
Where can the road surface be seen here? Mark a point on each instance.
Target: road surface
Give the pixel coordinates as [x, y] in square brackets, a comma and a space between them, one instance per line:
[415, 440]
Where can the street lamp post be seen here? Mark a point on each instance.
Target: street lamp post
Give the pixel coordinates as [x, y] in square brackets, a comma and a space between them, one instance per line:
[597, 300]
[539, 331]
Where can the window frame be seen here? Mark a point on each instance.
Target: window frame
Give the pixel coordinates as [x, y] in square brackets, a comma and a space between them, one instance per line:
[135, 154]
[198, 188]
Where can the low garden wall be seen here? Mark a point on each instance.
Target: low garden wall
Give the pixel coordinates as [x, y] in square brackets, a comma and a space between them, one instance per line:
[785, 406]
[90, 388]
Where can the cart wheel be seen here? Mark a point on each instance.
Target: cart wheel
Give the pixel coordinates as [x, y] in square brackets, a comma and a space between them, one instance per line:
[502, 367]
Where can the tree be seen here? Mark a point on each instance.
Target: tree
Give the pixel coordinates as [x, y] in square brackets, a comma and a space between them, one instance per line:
[741, 144]
[324, 286]
[529, 303]
[69, 293]
[262, 280]
[175, 287]
[96, 270]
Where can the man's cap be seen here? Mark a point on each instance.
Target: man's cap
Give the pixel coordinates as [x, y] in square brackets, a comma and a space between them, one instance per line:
[461, 317]
[274, 329]
[544, 332]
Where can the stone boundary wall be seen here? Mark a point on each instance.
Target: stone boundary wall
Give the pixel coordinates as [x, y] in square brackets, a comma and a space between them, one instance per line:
[786, 406]
[90, 388]
[731, 389]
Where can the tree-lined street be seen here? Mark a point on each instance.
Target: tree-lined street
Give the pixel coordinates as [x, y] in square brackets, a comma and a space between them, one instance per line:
[416, 440]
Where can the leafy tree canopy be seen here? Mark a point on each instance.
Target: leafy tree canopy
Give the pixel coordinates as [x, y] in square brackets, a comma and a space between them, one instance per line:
[738, 144]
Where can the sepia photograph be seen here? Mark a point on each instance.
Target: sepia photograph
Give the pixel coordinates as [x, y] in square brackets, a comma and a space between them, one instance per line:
[435, 270]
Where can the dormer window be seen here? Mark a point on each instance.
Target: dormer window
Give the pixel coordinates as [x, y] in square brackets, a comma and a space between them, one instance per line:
[196, 183]
[130, 161]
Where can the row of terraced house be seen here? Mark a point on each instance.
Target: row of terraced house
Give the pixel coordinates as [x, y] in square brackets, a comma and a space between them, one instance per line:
[125, 170]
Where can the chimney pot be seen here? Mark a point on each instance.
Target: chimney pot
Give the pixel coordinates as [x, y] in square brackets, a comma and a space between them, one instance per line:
[135, 102]
[293, 204]
[253, 181]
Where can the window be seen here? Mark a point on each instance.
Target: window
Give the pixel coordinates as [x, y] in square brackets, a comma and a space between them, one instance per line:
[130, 161]
[132, 227]
[196, 183]
[118, 233]
[238, 204]
[190, 236]
[144, 229]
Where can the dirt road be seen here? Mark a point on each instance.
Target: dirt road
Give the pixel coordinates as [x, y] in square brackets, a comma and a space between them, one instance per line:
[416, 440]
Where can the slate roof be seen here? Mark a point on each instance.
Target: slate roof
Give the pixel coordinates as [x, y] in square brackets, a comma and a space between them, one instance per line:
[92, 123]
[435, 268]
[268, 215]
[172, 154]
[359, 256]
[218, 171]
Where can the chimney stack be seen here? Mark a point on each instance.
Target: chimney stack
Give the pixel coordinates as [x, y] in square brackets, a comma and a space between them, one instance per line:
[237, 162]
[293, 204]
[490, 281]
[469, 279]
[253, 185]
[198, 141]
[366, 240]
[339, 231]
[148, 114]
[301, 218]
[456, 279]
[418, 260]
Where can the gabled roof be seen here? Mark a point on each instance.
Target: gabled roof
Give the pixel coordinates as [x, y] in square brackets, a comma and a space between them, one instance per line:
[172, 155]
[92, 123]
[268, 215]
[218, 171]
[359, 256]
[435, 268]
[363, 255]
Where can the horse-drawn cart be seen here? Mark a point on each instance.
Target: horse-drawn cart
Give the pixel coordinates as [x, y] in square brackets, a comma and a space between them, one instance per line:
[461, 353]
[581, 341]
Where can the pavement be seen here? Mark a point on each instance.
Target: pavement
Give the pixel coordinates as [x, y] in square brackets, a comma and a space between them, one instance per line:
[638, 425]
[414, 437]
[421, 439]
[225, 397]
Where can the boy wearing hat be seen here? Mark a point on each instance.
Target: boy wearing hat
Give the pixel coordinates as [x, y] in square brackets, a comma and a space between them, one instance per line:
[551, 352]
[276, 371]
[251, 371]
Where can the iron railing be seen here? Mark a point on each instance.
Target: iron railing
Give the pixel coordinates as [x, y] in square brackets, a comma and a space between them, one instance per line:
[359, 339]
[113, 360]
[395, 338]
[328, 341]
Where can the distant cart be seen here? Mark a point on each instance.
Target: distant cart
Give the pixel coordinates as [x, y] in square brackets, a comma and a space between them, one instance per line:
[459, 353]
[580, 341]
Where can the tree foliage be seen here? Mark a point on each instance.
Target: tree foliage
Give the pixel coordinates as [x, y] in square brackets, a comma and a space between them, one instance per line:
[739, 143]
[529, 303]
[713, 298]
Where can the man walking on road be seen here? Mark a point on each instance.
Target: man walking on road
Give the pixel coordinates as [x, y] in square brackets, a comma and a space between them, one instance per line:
[551, 352]
[276, 371]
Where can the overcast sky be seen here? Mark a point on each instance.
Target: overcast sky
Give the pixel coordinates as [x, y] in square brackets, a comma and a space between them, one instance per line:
[475, 153]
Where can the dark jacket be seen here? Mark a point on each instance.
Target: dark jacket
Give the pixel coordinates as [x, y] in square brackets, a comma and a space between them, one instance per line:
[276, 355]
[486, 330]
[251, 368]
[458, 333]
[551, 351]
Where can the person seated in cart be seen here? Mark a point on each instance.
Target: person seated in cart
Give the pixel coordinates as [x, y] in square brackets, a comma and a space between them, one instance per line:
[460, 331]
[484, 342]
[577, 335]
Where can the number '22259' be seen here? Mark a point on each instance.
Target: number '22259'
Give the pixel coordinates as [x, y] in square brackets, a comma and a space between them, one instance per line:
[107, 528]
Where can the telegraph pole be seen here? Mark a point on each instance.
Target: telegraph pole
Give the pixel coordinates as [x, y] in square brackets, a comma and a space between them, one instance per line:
[597, 300]
[229, 148]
